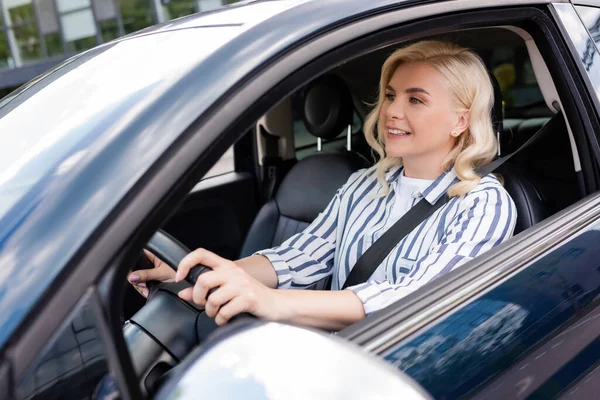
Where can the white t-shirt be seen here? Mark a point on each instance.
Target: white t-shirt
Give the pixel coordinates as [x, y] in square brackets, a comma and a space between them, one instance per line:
[408, 193]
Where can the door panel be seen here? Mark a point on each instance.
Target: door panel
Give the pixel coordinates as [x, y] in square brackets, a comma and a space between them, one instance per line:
[533, 335]
[217, 214]
[587, 388]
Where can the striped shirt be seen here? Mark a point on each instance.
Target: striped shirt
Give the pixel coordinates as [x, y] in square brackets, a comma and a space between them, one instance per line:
[356, 217]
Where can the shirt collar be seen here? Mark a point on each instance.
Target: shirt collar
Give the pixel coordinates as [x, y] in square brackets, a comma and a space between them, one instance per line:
[433, 192]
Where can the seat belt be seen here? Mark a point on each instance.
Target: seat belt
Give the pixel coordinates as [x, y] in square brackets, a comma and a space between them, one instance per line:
[370, 260]
[271, 165]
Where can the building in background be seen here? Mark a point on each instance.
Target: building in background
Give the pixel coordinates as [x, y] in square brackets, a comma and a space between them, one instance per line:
[35, 35]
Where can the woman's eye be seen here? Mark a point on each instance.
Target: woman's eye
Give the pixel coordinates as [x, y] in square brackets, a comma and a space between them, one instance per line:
[414, 100]
[390, 96]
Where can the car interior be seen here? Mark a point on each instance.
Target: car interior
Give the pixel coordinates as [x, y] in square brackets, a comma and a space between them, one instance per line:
[283, 172]
[311, 128]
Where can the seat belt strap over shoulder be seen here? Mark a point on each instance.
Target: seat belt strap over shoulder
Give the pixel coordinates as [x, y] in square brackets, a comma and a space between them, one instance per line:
[374, 256]
[271, 164]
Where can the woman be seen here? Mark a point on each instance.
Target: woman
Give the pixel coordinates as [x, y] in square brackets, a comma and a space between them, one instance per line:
[432, 128]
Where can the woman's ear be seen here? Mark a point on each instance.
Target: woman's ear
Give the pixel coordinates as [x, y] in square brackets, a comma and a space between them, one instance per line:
[462, 123]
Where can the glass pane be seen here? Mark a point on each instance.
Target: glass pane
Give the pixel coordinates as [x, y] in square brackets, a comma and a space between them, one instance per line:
[28, 42]
[591, 18]
[512, 68]
[584, 44]
[73, 365]
[82, 44]
[136, 14]
[224, 165]
[179, 8]
[109, 30]
[4, 51]
[53, 44]
[21, 14]
[71, 5]
[207, 5]
[78, 25]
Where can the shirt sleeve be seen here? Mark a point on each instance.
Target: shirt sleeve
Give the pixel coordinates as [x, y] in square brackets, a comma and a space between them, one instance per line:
[308, 256]
[487, 220]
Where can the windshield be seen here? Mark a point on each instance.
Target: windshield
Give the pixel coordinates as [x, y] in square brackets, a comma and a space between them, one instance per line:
[45, 132]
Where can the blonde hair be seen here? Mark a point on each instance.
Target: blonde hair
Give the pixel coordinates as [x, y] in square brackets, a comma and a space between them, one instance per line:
[470, 88]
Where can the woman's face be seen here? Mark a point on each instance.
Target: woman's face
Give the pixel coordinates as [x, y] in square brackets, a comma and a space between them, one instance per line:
[417, 118]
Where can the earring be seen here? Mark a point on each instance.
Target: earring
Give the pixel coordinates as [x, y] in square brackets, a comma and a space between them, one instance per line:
[454, 133]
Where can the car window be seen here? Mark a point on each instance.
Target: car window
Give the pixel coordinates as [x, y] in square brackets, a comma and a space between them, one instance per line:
[73, 364]
[590, 16]
[584, 43]
[224, 165]
[521, 94]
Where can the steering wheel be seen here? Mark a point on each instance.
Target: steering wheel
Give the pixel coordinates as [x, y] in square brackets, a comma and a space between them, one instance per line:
[156, 345]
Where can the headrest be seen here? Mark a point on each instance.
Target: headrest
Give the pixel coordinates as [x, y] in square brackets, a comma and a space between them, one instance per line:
[497, 112]
[327, 107]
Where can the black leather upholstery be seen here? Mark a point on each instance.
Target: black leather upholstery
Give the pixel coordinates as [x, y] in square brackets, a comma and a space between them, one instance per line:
[528, 200]
[328, 106]
[312, 182]
[549, 161]
[497, 114]
[304, 193]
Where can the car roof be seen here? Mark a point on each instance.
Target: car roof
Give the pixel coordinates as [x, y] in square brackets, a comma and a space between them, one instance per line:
[92, 159]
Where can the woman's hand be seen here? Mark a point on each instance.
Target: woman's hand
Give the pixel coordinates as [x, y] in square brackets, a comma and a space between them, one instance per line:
[237, 291]
[161, 273]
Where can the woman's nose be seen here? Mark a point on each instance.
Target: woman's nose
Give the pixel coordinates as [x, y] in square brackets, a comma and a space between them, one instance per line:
[395, 110]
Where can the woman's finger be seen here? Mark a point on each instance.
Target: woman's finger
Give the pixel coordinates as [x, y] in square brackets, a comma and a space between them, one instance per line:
[153, 259]
[161, 274]
[219, 298]
[205, 282]
[234, 307]
[198, 256]
[141, 290]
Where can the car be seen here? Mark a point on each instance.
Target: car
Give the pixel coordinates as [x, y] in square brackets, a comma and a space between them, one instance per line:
[231, 130]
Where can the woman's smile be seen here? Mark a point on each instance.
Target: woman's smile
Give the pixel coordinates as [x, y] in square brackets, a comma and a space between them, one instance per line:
[397, 134]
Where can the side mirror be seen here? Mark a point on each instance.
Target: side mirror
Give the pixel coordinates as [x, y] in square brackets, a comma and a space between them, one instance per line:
[277, 361]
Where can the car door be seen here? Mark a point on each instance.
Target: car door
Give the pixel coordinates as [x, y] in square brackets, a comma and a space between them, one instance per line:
[521, 321]
[534, 334]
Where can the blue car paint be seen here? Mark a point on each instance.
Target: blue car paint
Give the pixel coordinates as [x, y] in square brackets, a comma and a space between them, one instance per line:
[57, 214]
[486, 337]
